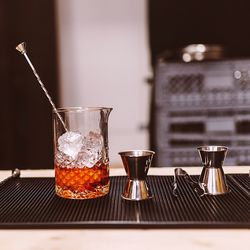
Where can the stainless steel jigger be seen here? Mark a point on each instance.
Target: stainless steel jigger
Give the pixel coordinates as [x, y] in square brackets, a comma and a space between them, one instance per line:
[212, 178]
[136, 164]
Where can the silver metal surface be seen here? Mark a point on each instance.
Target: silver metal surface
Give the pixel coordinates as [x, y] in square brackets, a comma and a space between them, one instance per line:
[175, 183]
[136, 164]
[195, 185]
[212, 178]
[22, 49]
[15, 174]
[136, 190]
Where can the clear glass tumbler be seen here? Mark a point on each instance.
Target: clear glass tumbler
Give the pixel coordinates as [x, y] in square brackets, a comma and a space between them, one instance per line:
[81, 158]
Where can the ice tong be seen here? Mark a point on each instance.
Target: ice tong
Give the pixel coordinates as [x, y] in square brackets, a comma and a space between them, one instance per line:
[195, 185]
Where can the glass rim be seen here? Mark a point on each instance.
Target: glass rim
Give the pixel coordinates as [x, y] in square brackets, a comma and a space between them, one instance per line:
[79, 109]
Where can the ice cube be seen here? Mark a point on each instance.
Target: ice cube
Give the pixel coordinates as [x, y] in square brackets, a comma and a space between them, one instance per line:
[63, 160]
[91, 151]
[70, 143]
[79, 151]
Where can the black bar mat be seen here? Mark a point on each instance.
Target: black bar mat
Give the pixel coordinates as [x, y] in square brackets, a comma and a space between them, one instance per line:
[32, 203]
[242, 181]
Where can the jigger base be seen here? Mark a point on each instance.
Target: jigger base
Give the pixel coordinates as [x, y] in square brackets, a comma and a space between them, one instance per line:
[213, 181]
[136, 190]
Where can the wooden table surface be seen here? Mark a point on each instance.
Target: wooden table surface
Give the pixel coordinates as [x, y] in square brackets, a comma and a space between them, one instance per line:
[145, 239]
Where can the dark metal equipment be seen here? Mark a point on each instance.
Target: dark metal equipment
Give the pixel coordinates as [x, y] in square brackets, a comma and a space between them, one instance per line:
[200, 98]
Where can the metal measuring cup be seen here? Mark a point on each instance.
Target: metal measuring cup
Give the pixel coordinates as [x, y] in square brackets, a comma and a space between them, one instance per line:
[212, 178]
[136, 164]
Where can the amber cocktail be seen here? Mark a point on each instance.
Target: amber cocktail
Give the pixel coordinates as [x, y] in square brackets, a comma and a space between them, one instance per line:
[82, 183]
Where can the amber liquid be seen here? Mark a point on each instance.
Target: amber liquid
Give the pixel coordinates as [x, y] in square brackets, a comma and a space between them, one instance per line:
[82, 183]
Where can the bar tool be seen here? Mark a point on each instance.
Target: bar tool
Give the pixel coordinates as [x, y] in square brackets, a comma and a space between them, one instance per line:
[212, 178]
[22, 49]
[15, 174]
[136, 164]
[195, 185]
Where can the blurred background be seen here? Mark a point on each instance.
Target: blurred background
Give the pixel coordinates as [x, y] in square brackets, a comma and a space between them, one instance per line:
[101, 53]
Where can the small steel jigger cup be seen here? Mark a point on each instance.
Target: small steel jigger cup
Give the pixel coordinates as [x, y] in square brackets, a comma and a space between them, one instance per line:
[136, 164]
[212, 178]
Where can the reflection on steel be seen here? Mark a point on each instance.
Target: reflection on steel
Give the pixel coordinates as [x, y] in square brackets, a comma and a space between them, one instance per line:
[212, 178]
[195, 185]
[21, 48]
[136, 164]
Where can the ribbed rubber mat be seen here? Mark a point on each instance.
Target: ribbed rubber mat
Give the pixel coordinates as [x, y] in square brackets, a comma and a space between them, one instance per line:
[242, 181]
[32, 203]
